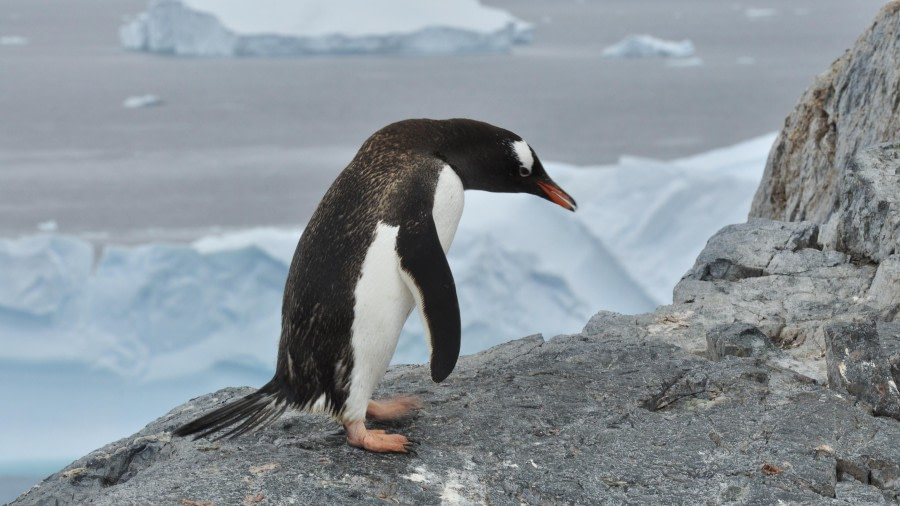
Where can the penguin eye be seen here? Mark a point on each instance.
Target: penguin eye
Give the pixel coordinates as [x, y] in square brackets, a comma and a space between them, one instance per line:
[524, 171]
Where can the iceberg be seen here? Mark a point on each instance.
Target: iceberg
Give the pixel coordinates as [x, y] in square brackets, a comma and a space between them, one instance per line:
[227, 28]
[141, 101]
[648, 46]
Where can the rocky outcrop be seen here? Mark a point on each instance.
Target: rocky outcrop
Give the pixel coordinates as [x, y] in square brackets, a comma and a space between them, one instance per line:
[747, 389]
[853, 105]
[792, 279]
[866, 221]
[858, 364]
[611, 415]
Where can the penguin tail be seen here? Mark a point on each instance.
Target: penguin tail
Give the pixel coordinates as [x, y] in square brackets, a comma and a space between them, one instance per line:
[253, 411]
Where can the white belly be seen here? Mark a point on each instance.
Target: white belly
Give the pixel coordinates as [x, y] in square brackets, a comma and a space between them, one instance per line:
[382, 305]
[383, 301]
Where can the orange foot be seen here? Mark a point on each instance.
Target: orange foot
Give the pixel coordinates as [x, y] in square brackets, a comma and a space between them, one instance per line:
[393, 408]
[376, 440]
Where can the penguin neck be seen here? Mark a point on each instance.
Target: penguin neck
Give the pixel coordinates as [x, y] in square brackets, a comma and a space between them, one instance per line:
[448, 205]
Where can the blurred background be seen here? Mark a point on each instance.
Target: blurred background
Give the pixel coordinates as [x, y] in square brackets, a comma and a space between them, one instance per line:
[150, 201]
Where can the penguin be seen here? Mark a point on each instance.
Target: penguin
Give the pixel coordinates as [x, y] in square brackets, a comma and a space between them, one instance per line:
[374, 249]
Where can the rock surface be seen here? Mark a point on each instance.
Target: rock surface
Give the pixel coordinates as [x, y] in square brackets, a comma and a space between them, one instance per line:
[866, 222]
[853, 105]
[858, 366]
[737, 340]
[612, 415]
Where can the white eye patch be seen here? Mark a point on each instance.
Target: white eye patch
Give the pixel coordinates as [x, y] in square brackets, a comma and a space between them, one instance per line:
[523, 153]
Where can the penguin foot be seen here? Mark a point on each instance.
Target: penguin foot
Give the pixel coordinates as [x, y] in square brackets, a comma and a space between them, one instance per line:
[376, 440]
[393, 408]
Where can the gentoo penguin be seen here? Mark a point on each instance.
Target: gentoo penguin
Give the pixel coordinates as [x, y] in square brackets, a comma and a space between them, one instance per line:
[375, 247]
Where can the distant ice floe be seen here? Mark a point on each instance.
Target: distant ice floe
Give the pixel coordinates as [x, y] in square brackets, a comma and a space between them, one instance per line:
[759, 12]
[140, 101]
[159, 312]
[694, 61]
[48, 226]
[224, 28]
[13, 40]
[648, 46]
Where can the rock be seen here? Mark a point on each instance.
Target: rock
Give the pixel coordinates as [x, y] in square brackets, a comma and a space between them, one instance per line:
[866, 222]
[778, 281]
[857, 366]
[855, 492]
[884, 291]
[747, 250]
[611, 415]
[791, 279]
[737, 340]
[889, 338]
[853, 105]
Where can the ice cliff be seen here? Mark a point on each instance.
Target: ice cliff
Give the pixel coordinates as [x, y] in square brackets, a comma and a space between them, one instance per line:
[225, 28]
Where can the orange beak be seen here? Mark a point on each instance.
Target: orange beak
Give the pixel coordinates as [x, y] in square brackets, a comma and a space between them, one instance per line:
[556, 195]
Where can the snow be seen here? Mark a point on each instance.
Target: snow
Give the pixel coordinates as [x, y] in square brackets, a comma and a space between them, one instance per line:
[648, 46]
[301, 27]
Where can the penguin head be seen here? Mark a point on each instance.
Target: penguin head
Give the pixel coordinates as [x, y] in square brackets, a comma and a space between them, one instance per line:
[492, 159]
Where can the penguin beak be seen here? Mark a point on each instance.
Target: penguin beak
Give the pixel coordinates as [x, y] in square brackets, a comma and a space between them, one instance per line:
[555, 194]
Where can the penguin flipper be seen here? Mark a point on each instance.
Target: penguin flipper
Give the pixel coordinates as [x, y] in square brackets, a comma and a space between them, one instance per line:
[424, 269]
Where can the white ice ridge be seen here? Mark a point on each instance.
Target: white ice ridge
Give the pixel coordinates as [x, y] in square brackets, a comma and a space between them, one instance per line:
[648, 46]
[222, 28]
[522, 265]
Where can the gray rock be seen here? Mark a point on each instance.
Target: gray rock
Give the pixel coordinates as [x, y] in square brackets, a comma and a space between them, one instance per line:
[866, 222]
[737, 340]
[885, 289]
[748, 250]
[853, 105]
[858, 366]
[889, 338]
[613, 415]
[853, 491]
[789, 290]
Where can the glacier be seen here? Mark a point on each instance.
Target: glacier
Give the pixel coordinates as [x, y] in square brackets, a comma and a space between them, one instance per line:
[119, 333]
[228, 28]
